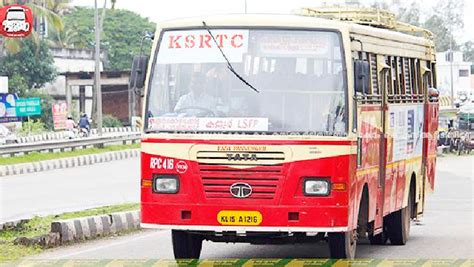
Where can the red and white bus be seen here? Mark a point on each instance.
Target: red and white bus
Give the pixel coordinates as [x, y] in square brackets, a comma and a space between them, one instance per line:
[287, 128]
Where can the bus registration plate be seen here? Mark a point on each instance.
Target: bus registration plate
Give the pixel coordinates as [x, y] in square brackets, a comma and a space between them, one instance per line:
[234, 217]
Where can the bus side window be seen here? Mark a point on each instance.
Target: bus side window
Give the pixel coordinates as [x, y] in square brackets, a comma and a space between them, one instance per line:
[413, 77]
[419, 80]
[429, 77]
[407, 79]
[395, 77]
[433, 75]
[400, 80]
[388, 77]
[373, 74]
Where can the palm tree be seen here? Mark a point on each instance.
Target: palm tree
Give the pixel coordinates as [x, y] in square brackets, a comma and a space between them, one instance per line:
[68, 38]
[59, 6]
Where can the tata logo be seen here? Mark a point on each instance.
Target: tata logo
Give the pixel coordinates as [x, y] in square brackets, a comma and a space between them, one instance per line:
[240, 190]
[242, 156]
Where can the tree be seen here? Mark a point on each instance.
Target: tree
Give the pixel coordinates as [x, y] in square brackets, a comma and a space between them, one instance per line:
[59, 6]
[445, 23]
[121, 34]
[468, 51]
[33, 63]
[442, 34]
[380, 5]
[67, 38]
[410, 14]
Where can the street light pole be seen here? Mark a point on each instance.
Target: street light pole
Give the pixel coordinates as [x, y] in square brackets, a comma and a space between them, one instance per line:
[98, 90]
[451, 64]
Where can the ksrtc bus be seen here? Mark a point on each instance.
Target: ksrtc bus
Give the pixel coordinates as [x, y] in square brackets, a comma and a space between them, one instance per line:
[287, 128]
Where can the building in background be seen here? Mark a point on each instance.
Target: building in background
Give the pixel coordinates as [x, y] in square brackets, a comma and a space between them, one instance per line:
[75, 84]
[461, 71]
[68, 60]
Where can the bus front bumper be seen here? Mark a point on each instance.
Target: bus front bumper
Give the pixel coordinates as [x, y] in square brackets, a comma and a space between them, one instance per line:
[273, 218]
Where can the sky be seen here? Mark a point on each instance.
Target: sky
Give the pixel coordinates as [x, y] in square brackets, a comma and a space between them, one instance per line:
[158, 10]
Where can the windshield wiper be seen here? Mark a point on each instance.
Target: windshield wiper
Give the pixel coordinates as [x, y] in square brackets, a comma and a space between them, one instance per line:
[229, 66]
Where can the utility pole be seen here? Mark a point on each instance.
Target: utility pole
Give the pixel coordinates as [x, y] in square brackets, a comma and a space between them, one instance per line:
[98, 90]
[451, 57]
[245, 6]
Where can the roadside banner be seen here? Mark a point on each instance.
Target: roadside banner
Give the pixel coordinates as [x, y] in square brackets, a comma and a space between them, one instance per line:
[26, 107]
[8, 108]
[59, 115]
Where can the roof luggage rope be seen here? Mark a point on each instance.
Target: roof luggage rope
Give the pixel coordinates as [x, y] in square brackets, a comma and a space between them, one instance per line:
[374, 17]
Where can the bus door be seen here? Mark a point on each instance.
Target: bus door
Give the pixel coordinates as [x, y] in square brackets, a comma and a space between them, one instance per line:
[431, 113]
[382, 84]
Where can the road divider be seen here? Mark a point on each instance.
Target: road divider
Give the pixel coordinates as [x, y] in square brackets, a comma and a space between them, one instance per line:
[85, 228]
[13, 225]
[70, 162]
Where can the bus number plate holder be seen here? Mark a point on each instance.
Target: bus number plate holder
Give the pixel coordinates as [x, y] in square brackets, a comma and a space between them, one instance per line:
[244, 218]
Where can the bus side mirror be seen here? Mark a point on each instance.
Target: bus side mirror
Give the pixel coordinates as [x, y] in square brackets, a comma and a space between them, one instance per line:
[433, 94]
[361, 76]
[138, 73]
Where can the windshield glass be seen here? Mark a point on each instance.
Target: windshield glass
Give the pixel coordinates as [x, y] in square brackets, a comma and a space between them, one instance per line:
[299, 75]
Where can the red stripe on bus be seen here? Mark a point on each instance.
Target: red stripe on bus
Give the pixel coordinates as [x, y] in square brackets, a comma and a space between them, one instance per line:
[263, 142]
[371, 108]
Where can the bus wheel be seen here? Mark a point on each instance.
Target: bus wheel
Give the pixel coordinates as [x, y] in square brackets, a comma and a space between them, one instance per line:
[398, 223]
[342, 245]
[186, 245]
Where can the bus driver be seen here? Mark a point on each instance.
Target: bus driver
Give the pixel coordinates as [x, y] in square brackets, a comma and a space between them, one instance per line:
[197, 99]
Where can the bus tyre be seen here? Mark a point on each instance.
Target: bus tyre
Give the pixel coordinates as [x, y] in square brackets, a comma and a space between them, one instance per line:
[398, 223]
[186, 245]
[342, 245]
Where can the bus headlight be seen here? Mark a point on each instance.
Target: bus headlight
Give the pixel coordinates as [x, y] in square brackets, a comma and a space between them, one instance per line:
[165, 184]
[316, 187]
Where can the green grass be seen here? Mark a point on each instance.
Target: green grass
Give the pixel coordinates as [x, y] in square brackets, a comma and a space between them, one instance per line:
[37, 156]
[42, 225]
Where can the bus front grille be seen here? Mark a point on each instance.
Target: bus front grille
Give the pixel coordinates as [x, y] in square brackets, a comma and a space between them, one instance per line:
[219, 170]
[217, 180]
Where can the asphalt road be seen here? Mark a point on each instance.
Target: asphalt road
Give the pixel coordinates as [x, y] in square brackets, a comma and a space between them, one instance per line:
[56, 191]
[446, 231]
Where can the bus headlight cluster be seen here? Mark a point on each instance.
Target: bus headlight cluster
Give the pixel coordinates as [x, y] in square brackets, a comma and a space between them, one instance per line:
[166, 184]
[316, 187]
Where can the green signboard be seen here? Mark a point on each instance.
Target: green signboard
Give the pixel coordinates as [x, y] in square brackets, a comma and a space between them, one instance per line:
[28, 106]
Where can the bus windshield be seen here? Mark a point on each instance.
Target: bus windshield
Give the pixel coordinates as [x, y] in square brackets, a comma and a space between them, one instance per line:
[300, 76]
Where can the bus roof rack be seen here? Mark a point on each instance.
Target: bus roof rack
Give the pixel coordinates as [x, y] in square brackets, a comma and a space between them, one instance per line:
[374, 17]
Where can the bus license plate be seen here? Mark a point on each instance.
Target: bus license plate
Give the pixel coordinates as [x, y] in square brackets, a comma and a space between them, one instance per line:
[233, 217]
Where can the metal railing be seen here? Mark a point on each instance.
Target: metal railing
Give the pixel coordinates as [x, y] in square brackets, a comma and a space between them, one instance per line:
[71, 144]
[66, 135]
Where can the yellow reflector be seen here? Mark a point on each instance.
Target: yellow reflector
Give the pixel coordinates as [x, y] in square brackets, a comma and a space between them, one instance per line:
[339, 186]
[147, 183]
